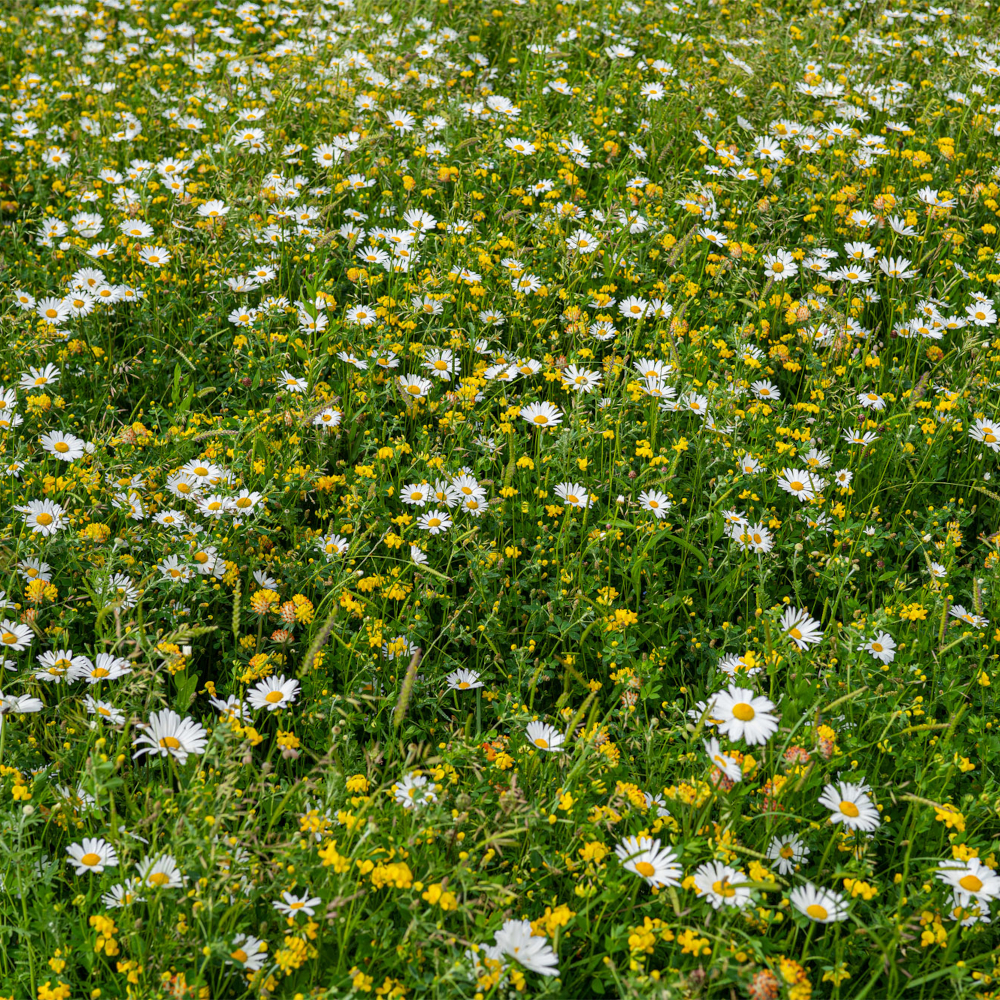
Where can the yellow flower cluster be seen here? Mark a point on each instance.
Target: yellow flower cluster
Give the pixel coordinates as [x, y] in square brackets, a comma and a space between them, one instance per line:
[396, 873]
[642, 938]
[437, 895]
[106, 931]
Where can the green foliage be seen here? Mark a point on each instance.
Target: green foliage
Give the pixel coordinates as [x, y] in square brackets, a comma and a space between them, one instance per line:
[326, 662]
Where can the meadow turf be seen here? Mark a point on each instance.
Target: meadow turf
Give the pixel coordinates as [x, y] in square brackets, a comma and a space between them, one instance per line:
[499, 501]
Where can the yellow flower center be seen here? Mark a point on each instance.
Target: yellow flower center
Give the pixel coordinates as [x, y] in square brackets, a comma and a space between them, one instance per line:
[171, 742]
[795, 633]
[787, 851]
[44, 519]
[796, 485]
[159, 878]
[273, 697]
[572, 498]
[540, 742]
[244, 502]
[462, 685]
[654, 505]
[970, 883]
[777, 267]
[100, 672]
[240, 955]
[744, 712]
[850, 809]
[541, 419]
[877, 647]
[9, 638]
[645, 869]
[817, 912]
[90, 859]
[723, 888]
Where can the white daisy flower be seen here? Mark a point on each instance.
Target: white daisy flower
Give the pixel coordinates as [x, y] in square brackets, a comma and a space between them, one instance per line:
[167, 734]
[851, 805]
[273, 693]
[92, 855]
[822, 905]
[545, 737]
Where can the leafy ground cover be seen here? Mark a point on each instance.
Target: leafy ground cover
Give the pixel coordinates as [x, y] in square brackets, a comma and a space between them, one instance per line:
[498, 501]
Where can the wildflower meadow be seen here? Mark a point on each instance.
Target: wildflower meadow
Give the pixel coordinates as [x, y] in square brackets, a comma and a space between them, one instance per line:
[499, 500]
